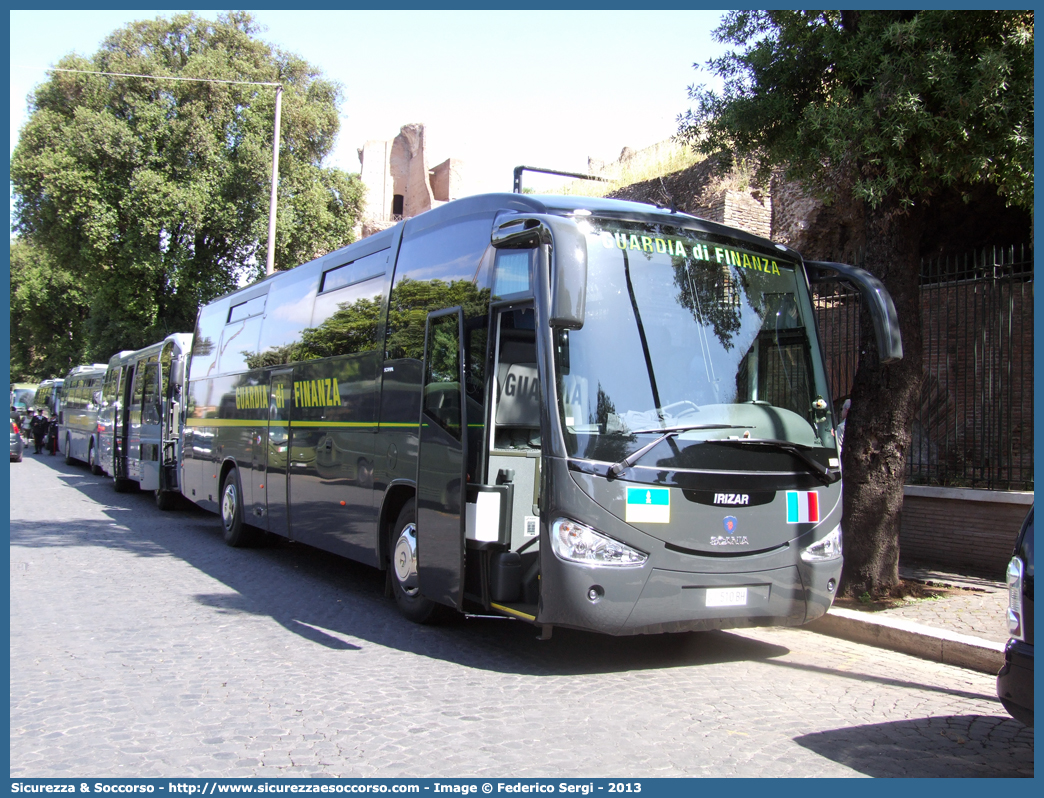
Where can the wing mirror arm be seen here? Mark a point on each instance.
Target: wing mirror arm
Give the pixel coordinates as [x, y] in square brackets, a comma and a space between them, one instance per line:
[878, 300]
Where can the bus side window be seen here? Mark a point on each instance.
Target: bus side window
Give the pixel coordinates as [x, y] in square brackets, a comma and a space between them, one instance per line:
[151, 398]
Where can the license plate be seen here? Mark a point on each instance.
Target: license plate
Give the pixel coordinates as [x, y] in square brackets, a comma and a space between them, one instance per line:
[726, 597]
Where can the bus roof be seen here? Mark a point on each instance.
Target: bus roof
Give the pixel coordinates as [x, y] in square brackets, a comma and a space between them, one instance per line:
[88, 368]
[552, 204]
[182, 340]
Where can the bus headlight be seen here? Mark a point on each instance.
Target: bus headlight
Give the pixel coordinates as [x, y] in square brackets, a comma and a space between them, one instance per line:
[575, 542]
[828, 548]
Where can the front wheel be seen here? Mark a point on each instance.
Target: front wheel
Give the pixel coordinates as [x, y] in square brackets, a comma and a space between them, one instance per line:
[69, 459]
[236, 531]
[403, 571]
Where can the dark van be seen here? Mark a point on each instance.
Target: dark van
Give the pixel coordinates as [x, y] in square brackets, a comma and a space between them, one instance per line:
[1015, 680]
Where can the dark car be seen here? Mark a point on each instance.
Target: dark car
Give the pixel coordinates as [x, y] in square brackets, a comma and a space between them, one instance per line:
[1015, 680]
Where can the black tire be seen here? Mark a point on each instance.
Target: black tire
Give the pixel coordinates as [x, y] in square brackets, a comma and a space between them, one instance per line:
[92, 461]
[167, 499]
[69, 459]
[237, 532]
[402, 570]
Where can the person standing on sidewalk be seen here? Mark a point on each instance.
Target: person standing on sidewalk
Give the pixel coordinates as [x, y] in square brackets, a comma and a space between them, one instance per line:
[52, 436]
[38, 428]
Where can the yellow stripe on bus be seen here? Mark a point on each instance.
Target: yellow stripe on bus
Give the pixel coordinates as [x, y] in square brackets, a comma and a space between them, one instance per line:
[322, 424]
[242, 422]
[223, 422]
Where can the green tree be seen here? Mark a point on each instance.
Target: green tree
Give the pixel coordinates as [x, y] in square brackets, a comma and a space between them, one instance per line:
[893, 109]
[48, 312]
[154, 193]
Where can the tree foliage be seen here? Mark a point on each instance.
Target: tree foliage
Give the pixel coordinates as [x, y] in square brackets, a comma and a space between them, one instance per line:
[895, 109]
[154, 193]
[48, 312]
[903, 102]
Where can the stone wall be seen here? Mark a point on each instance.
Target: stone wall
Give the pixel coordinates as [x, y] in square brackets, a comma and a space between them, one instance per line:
[748, 210]
[701, 191]
[971, 531]
[817, 231]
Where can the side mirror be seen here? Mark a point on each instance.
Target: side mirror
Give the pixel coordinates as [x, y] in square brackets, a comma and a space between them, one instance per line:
[877, 298]
[568, 278]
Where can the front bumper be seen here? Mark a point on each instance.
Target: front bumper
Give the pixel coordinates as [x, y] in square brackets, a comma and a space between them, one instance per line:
[653, 600]
[1015, 681]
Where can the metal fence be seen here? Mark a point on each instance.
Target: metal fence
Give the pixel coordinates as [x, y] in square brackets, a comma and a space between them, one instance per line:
[974, 423]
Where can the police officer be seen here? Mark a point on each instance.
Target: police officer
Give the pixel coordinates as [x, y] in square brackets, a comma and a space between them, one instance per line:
[38, 428]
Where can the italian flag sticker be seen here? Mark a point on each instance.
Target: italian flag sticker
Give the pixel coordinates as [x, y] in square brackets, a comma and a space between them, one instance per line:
[648, 505]
[802, 506]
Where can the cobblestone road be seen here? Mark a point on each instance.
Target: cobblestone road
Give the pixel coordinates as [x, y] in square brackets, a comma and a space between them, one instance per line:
[142, 646]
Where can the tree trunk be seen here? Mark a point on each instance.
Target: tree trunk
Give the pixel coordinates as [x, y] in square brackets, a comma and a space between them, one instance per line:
[884, 400]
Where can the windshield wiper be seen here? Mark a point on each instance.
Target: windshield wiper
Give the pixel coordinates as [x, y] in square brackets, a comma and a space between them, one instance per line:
[668, 432]
[797, 449]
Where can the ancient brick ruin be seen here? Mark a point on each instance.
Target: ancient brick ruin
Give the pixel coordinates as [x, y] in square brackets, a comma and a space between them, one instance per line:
[400, 184]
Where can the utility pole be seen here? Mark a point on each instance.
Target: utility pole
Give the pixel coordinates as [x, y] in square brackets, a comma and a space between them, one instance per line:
[270, 264]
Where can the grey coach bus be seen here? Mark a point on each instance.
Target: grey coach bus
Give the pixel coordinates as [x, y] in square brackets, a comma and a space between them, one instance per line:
[140, 419]
[78, 416]
[577, 412]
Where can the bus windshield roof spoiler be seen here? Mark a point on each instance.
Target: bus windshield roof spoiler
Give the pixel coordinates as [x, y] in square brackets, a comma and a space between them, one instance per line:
[877, 298]
[568, 277]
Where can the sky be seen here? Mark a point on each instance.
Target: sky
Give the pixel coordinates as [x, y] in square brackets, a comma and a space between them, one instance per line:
[495, 89]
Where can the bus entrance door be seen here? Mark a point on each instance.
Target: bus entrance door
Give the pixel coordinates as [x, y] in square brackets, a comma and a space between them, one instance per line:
[170, 418]
[277, 452]
[122, 426]
[441, 462]
[149, 430]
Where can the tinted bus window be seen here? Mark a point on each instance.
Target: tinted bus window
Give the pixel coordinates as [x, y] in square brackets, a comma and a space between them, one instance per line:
[244, 310]
[150, 394]
[363, 269]
[109, 388]
[346, 319]
[289, 316]
[440, 268]
[205, 341]
[238, 345]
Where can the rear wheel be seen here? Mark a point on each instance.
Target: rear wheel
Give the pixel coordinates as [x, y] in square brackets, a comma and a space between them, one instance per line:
[92, 461]
[403, 571]
[122, 485]
[166, 499]
[69, 459]
[237, 532]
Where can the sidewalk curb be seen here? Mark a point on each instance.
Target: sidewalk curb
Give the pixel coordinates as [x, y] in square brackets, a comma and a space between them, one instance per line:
[911, 638]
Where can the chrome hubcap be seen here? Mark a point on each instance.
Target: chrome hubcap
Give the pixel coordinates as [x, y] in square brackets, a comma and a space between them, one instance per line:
[228, 505]
[405, 559]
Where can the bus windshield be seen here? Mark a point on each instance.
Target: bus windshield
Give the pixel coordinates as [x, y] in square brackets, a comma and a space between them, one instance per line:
[693, 332]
